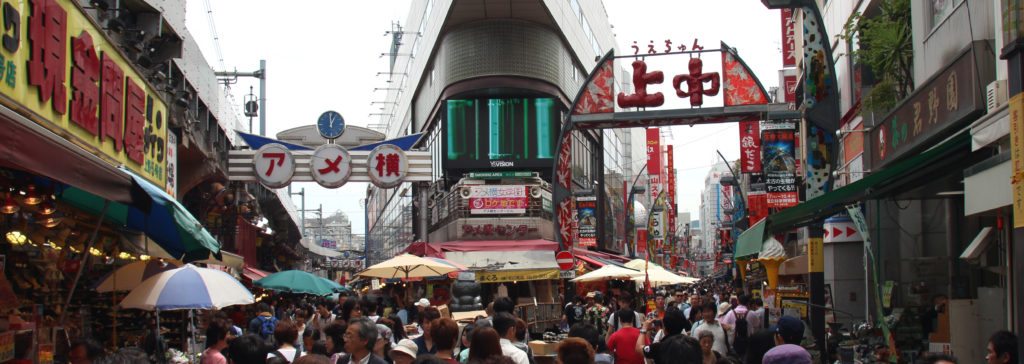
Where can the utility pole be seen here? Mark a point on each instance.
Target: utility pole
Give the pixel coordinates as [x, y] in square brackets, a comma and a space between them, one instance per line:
[230, 77]
[302, 208]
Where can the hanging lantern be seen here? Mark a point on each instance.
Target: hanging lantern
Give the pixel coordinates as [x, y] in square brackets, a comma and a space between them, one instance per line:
[47, 208]
[50, 222]
[9, 205]
[32, 197]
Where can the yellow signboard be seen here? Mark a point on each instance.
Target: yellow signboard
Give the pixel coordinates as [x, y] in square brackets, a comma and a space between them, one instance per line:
[1017, 157]
[516, 275]
[58, 69]
[815, 255]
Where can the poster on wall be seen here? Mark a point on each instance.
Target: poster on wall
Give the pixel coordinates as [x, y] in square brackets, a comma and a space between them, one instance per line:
[498, 199]
[779, 163]
[500, 133]
[586, 217]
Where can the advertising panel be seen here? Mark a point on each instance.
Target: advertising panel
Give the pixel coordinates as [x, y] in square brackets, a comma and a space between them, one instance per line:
[59, 70]
[654, 161]
[501, 133]
[750, 147]
[586, 217]
[788, 39]
[779, 165]
[498, 199]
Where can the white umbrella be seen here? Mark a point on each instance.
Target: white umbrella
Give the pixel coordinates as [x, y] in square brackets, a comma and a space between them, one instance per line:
[639, 264]
[608, 272]
[408, 266]
[661, 277]
[188, 287]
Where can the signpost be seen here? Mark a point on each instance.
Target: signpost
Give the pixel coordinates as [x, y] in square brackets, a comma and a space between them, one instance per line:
[564, 259]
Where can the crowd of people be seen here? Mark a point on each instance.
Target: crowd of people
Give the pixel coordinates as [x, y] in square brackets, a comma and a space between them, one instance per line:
[681, 328]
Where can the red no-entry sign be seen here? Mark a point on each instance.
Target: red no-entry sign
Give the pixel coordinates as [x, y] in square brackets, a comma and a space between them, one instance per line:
[564, 260]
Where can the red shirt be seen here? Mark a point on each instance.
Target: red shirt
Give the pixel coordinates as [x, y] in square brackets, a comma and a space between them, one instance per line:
[622, 344]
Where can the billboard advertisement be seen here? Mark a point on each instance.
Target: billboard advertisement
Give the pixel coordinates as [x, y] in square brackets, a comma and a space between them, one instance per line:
[498, 199]
[750, 147]
[586, 217]
[501, 133]
[654, 161]
[779, 163]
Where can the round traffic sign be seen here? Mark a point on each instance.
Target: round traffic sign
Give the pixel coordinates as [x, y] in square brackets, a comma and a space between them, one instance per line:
[564, 260]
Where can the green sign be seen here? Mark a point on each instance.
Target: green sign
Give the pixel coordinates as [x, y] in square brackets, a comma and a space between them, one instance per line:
[503, 174]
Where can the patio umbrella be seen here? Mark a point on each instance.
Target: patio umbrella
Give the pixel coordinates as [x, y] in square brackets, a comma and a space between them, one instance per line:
[188, 287]
[297, 281]
[661, 277]
[607, 273]
[408, 266]
[131, 275]
[639, 264]
[154, 213]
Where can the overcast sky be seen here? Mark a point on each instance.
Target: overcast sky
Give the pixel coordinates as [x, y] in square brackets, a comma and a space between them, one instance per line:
[324, 55]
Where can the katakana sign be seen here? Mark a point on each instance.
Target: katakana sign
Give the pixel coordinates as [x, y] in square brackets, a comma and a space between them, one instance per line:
[274, 165]
[388, 166]
[331, 165]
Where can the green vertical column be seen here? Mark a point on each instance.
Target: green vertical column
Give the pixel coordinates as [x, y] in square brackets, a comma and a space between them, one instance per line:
[456, 132]
[545, 137]
[499, 112]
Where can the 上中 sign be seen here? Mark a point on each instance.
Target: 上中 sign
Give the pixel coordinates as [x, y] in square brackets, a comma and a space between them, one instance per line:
[59, 70]
[498, 199]
[274, 165]
[331, 165]
[388, 166]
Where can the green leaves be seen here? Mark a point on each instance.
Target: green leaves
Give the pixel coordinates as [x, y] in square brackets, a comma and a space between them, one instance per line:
[885, 45]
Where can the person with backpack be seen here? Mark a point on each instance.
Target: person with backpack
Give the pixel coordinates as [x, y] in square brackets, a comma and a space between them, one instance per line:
[285, 334]
[264, 323]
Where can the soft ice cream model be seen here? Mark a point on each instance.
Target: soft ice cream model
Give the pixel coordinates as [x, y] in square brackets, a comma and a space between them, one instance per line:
[771, 256]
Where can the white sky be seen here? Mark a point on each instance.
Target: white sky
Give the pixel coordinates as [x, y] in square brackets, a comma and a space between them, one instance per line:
[324, 55]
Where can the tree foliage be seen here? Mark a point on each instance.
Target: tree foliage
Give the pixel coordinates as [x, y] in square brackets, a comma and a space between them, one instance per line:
[886, 47]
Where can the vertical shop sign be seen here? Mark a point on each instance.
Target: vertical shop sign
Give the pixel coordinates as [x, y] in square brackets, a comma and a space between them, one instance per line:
[757, 205]
[815, 255]
[641, 240]
[790, 88]
[172, 165]
[670, 174]
[788, 39]
[750, 147]
[1017, 157]
[586, 218]
[779, 163]
[654, 161]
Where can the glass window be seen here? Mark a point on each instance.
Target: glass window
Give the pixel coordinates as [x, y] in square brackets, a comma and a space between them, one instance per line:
[940, 9]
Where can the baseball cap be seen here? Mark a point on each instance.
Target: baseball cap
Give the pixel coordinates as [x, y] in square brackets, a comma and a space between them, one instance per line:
[423, 302]
[790, 328]
[407, 347]
[787, 354]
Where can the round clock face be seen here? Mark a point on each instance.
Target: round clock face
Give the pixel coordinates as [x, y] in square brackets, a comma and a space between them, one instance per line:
[330, 125]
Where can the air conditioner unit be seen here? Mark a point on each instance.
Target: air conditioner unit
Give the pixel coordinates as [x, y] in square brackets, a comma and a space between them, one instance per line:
[995, 95]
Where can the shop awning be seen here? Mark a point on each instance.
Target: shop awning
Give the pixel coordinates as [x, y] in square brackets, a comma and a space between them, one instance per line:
[254, 274]
[499, 276]
[876, 184]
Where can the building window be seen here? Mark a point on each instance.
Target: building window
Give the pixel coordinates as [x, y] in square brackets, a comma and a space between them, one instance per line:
[940, 10]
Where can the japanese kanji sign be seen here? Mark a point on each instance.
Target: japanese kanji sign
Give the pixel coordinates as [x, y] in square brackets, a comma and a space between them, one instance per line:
[498, 199]
[274, 165]
[62, 72]
[750, 147]
[788, 39]
[654, 160]
[331, 165]
[388, 166]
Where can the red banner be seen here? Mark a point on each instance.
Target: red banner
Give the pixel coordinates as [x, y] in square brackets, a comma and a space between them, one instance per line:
[654, 161]
[670, 174]
[641, 240]
[790, 84]
[788, 39]
[757, 206]
[750, 147]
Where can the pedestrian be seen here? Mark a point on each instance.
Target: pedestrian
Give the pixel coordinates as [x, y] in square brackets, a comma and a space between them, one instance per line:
[595, 313]
[693, 312]
[465, 341]
[334, 337]
[403, 353]
[755, 318]
[678, 349]
[707, 342]
[342, 298]
[248, 348]
[371, 309]
[789, 330]
[575, 350]
[264, 323]
[285, 334]
[740, 309]
[85, 351]
[309, 339]
[938, 359]
[384, 341]
[425, 343]
[659, 307]
[757, 345]
[313, 359]
[216, 340]
[300, 318]
[573, 313]
[674, 324]
[397, 329]
[622, 342]
[321, 318]
[505, 325]
[504, 304]
[682, 301]
[591, 334]
[787, 354]
[625, 301]
[520, 341]
[361, 335]
[1002, 348]
[445, 333]
[710, 324]
[484, 343]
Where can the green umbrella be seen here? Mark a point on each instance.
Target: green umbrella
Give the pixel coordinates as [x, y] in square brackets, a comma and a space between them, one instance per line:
[297, 281]
[156, 214]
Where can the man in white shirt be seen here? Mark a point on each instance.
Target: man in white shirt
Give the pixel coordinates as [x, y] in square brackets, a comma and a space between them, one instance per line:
[718, 330]
[505, 325]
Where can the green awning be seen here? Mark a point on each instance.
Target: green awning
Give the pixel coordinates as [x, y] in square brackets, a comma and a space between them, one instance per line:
[749, 242]
[817, 209]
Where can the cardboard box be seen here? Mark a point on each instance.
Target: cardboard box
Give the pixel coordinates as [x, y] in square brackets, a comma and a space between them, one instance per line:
[542, 348]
